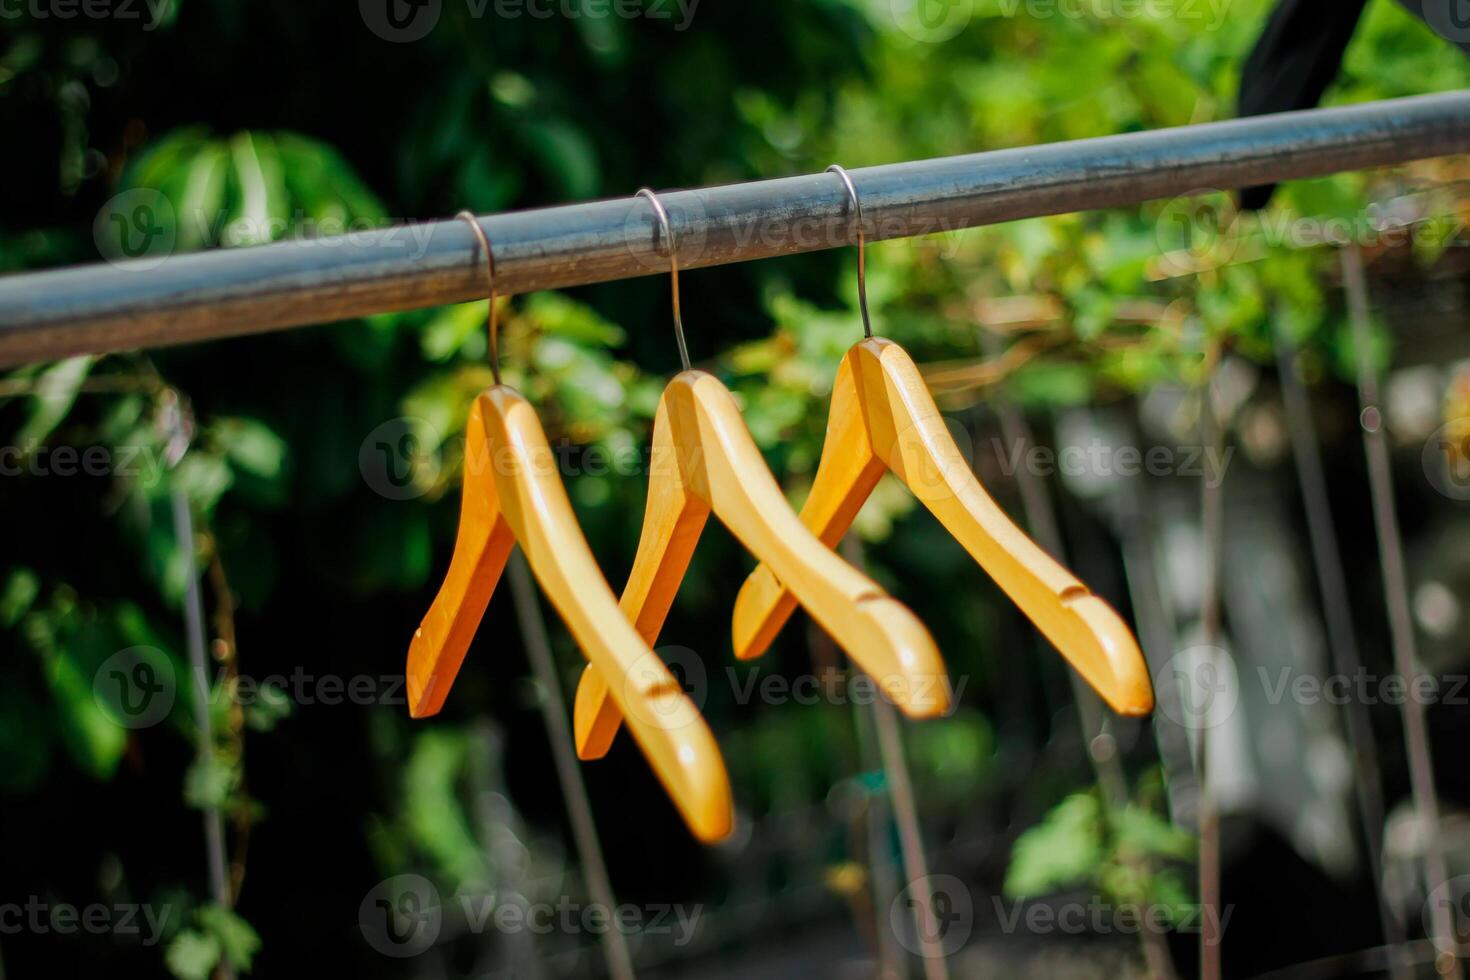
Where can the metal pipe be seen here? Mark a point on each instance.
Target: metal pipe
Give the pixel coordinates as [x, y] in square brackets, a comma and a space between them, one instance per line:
[222, 293]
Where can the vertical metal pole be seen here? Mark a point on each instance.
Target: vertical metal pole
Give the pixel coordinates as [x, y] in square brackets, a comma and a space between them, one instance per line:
[563, 751]
[1396, 594]
[1102, 748]
[1211, 525]
[906, 813]
[1342, 637]
[214, 833]
[877, 814]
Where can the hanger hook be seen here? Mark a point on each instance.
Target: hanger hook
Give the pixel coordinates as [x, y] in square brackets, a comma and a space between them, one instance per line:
[857, 207]
[492, 319]
[663, 220]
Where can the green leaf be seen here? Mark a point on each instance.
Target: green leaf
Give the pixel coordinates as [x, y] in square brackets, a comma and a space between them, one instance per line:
[192, 955]
[237, 939]
[252, 446]
[92, 738]
[567, 155]
[267, 709]
[203, 478]
[56, 390]
[1064, 849]
[19, 594]
[209, 783]
[1145, 831]
[446, 334]
[435, 815]
[556, 314]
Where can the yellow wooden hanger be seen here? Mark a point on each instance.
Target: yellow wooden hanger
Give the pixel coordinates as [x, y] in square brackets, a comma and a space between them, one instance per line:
[704, 459]
[883, 418]
[513, 494]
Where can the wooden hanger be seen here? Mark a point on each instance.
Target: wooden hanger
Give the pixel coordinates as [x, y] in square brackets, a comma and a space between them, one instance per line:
[884, 419]
[704, 460]
[513, 494]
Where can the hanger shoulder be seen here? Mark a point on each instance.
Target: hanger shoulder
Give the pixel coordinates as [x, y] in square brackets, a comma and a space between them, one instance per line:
[910, 436]
[481, 546]
[666, 724]
[672, 522]
[880, 633]
[846, 475]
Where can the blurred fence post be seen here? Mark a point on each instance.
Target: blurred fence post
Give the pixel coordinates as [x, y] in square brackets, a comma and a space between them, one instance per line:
[1396, 595]
[906, 813]
[563, 751]
[1212, 520]
[178, 432]
[1342, 637]
[1102, 747]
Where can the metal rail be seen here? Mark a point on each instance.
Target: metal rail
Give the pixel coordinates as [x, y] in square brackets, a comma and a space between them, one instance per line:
[222, 293]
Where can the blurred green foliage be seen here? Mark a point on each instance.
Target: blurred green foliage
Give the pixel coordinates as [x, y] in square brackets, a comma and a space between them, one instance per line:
[345, 131]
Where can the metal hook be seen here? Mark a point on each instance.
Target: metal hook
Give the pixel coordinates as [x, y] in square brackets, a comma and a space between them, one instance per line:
[857, 207]
[663, 220]
[492, 320]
